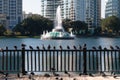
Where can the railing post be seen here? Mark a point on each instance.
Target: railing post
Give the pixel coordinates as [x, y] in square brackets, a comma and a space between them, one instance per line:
[23, 60]
[84, 60]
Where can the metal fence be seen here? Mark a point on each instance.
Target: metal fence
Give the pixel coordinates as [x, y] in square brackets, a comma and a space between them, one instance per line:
[59, 60]
[10, 61]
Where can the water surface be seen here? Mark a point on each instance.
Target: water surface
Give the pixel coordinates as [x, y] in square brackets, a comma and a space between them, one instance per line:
[94, 41]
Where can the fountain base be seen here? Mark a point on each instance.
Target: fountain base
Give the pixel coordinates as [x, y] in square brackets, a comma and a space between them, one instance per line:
[57, 34]
[57, 38]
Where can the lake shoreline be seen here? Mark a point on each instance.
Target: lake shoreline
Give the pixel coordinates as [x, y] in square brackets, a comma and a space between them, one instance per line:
[19, 36]
[81, 36]
[104, 36]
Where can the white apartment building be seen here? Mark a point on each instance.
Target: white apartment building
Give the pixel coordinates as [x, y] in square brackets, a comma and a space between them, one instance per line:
[83, 10]
[48, 8]
[112, 8]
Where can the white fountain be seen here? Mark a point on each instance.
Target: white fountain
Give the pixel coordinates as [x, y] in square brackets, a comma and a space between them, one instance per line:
[58, 31]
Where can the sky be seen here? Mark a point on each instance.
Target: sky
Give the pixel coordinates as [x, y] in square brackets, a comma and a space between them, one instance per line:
[34, 7]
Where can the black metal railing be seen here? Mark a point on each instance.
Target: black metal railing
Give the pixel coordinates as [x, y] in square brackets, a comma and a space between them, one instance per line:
[81, 60]
[10, 61]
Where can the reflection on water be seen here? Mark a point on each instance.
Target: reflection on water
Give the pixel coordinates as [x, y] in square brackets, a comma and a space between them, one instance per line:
[104, 42]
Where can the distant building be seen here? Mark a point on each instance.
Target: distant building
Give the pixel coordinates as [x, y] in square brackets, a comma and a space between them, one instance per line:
[77, 10]
[3, 20]
[83, 10]
[25, 15]
[49, 7]
[112, 8]
[13, 11]
[65, 8]
[93, 13]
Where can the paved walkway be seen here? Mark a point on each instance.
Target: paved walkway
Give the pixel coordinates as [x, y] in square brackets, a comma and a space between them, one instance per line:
[36, 77]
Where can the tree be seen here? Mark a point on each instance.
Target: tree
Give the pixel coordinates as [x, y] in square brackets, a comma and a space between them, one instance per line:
[79, 26]
[111, 24]
[66, 23]
[34, 25]
[97, 31]
[8, 33]
[2, 30]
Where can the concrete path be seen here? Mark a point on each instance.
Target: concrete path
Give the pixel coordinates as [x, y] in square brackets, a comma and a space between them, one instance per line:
[36, 77]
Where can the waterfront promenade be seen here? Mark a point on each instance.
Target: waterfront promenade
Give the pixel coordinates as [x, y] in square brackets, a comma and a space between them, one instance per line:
[36, 77]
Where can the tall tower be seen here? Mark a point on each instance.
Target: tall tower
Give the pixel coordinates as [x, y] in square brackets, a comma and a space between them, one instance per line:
[86, 10]
[72, 11]
[112, 8]
[83, 10]
[93, 13]
[49, 8]
[13, 11]
[66, 6]
[77, 10]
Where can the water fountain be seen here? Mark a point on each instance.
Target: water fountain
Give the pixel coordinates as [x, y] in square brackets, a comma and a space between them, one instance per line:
[58, 31]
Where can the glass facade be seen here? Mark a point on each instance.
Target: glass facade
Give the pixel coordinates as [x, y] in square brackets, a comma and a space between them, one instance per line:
[49, 8]
[86, 10]
[93, 12]
[83, 10]
[112, 8]
[13, 11]
[77, 10]
[66, 5]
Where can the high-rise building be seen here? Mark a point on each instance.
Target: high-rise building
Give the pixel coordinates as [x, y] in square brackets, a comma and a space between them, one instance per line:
[77, 10]
[3, 20]
[65, 8]
[13, 11]
[49, 7]
[93, 13]
[83, 10]
[112, 8]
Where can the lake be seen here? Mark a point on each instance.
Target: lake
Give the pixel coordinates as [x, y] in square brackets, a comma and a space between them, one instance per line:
[90, 41]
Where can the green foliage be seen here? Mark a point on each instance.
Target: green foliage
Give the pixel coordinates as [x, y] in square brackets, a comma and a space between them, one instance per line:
[66, 24]
[97, 31]
[78, 27]
[2, 30]
[111, 24]
[8, 33]
[34, 25]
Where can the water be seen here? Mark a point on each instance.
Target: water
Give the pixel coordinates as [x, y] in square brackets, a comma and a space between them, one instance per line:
[104, 42]
[58, 20]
